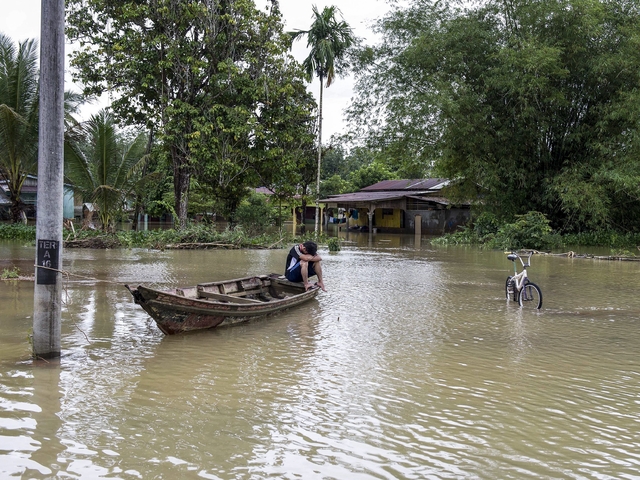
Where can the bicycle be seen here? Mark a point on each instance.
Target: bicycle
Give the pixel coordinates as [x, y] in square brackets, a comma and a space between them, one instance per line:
[518, 286]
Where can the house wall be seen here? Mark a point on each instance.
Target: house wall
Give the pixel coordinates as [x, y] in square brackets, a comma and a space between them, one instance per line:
[434, 222]
[388, 218]
[67, 204]
[437, 222]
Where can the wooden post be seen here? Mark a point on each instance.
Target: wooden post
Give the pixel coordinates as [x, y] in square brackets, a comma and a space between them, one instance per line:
[371, 213]
[48, 281]
[295, 219]
[418, 229]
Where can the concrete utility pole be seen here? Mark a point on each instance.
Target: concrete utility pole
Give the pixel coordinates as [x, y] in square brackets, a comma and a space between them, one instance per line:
[48, 285]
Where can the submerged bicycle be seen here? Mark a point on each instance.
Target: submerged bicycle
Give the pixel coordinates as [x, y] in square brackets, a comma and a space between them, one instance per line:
[519, 288]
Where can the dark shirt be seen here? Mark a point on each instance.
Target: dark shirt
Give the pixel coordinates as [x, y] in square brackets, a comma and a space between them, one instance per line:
[293, 258]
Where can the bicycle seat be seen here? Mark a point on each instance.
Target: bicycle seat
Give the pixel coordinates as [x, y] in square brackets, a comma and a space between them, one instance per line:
[512, 256]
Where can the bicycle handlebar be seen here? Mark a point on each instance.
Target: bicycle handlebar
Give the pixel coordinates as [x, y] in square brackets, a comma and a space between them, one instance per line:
[513, 255]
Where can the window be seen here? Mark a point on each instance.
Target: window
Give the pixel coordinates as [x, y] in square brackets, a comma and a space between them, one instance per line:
[419, 204]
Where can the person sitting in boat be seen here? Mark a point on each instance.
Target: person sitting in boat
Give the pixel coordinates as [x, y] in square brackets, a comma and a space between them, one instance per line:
[303, 262]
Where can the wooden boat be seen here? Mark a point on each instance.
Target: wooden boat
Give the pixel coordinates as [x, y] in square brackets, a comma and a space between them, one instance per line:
[209, 305]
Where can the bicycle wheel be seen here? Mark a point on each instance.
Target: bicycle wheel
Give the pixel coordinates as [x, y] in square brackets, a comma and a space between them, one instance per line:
[530, 296]
[510, 289]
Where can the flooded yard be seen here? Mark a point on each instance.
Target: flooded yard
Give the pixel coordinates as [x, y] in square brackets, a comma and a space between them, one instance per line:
[412, 365]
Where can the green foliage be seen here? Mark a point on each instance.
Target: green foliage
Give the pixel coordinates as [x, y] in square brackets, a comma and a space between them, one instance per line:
[530, 230]
[212, 78]
[255, 214]
[527, 105]
[329, 40]
[485, 225]
[17, 231]
[104, 168]
[19, 117]
[334, 244]
[611, 239]
[10, 273]
[335, 185]
[370, 174]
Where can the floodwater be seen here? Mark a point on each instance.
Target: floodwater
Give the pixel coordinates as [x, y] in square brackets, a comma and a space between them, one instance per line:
[411, 366]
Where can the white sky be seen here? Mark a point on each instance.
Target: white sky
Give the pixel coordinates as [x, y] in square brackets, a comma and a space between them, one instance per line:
[20, 20]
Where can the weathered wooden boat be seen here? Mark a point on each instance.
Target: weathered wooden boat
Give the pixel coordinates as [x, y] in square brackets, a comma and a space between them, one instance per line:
[214, 304]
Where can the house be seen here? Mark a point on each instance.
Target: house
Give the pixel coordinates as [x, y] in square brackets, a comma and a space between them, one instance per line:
[28, 194]
[400, 206]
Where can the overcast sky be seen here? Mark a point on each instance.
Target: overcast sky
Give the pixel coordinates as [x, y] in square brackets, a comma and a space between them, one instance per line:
[20, 20]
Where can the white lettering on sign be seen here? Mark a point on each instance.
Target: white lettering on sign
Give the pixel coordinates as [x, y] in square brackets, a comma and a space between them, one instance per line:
[46, 244]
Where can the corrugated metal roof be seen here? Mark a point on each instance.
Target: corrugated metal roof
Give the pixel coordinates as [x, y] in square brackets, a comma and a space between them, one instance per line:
[363, 196]
[30, 189]
[410, 184]
[440, 200]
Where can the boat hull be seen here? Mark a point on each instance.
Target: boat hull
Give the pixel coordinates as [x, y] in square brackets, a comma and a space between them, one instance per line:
[217, 304]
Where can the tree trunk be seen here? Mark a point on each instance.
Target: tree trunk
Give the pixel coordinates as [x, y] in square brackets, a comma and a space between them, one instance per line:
[181, 182]
[319, 158]
[138, 207]
[17, 209]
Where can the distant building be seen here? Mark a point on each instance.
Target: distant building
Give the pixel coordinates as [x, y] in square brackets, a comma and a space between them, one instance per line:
[396, 206]
[29, 194]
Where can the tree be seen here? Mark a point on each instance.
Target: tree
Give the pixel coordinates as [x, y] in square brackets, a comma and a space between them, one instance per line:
[329, 40]
[19, 116]
[104, 167]
[527, 105]
[196, 71]
[370, 174]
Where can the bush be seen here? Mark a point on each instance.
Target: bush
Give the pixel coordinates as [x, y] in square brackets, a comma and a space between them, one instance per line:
[255, 214]
[604, 238]
[530, 230]
[334, 244]
[17, 231]
[10, 274]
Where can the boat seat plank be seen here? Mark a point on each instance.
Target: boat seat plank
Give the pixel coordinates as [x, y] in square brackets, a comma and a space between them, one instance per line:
[256, 291]
[227, 298]
[251, 284]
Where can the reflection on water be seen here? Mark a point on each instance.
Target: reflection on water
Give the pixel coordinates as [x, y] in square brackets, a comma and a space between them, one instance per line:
[412, 365]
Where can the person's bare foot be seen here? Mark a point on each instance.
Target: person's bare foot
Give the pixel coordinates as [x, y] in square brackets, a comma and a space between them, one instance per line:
[321, 285]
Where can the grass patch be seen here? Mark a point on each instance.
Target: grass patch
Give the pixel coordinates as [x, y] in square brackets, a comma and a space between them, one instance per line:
[17, 231]
[10, 273]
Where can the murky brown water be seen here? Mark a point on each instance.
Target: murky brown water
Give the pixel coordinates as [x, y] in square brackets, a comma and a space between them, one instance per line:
[411, 366]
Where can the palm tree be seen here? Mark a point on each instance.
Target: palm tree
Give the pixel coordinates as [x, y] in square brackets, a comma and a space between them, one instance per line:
[103, 167]
[329, 40]
[19, 114]
[18, 117]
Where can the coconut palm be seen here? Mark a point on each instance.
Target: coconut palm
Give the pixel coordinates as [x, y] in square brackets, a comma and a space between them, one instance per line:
[103, 167]
[18, 117]
[329, 40]
[19, 114]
